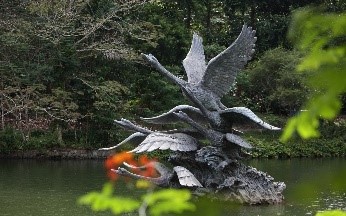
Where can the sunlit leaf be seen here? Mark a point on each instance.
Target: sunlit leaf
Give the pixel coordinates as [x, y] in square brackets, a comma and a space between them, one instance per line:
[316, 33]
[167, 194]
[107, 189]
[289, 130]
[331, 213]
[104, 200]
[120, 205]
[174, 207]
[169, 200]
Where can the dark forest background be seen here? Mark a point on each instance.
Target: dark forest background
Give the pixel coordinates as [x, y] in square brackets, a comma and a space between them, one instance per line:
[70, 68]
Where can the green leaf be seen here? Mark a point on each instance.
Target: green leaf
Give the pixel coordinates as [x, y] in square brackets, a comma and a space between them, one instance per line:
[306, 125]
[120, 205]
[167, 194]
[104, 200]
[171, 207]
[289, 129]
[331, 213]
[316, 33]
[169, 200]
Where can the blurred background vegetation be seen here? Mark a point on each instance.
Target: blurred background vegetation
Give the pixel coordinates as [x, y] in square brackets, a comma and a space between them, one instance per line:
[69, 68]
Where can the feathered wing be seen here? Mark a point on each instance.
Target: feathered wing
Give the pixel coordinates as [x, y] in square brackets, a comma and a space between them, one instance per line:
[223, 68]
[243, 115]
[186, 178]
[194, 63]
[170, 118]
[238, 141]
[174, 142]
[134, 139]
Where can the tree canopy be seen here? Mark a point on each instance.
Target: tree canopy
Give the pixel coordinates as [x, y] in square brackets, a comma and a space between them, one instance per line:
[69, 68]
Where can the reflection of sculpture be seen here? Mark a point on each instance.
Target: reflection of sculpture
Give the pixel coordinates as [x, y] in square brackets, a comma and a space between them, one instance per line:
[214, 167]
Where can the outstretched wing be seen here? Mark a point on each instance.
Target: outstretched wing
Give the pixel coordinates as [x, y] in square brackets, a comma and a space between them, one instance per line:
[238, 141]
[223, 68]
[134, 139]
[194, 63]
[186, 178]
[174, 142]
[170, 118]
[243, 115]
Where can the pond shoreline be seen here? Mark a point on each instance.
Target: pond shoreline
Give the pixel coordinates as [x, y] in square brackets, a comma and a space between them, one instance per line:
[57, 154]
[94, 154]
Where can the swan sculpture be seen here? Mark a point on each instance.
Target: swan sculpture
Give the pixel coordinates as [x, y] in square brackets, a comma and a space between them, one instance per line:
[207, 152]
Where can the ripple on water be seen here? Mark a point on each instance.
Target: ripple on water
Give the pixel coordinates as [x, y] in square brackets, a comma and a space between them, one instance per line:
[327, 201]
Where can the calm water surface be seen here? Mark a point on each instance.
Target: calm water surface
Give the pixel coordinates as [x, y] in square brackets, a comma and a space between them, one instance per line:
[40, 188]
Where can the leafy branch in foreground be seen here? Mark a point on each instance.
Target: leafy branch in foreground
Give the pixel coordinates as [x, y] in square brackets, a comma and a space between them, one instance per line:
[155, 202]
[323, 37]
[331, 213]
[158, 202]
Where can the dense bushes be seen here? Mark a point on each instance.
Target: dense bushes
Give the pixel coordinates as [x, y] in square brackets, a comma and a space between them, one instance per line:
[271, 83]
[64, 88]
[332, 143]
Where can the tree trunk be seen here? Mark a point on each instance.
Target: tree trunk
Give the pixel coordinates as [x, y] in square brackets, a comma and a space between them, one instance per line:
[59, 133]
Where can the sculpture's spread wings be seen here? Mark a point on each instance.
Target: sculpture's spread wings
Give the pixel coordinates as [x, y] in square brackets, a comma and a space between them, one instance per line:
[194, 63]
[134, 139]
[170, 118]
[223, 68]
[174, 142]
[186, 178]
[238, 141]
[243, 115]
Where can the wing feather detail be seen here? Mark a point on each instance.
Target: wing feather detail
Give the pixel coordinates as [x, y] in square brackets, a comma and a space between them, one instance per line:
[194, 63]
[238, 141]
[174, 142]
[223, 68]
[243, 115]
[134, 139]
[186, 178]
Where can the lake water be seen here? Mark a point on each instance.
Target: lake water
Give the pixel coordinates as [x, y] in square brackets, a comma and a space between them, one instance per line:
[48, 188]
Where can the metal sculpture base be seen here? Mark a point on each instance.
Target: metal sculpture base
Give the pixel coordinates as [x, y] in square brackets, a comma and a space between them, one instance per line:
[235, 182]
[206, 172]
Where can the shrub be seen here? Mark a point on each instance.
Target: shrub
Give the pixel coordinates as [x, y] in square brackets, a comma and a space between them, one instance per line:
[271, 84]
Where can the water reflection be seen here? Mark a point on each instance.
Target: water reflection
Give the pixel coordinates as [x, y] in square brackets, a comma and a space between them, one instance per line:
[30, 187]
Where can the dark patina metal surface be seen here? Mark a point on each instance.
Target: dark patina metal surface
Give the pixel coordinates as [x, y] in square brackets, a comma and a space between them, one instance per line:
[214, 167]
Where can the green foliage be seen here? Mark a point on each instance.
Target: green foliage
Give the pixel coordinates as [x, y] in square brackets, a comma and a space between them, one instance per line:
[10, 140]
[271, 84]
[55, 45]
[322, 36]
[41, 140]
[169, 200]
[102, 201]
[267, 144]
[73, 65]
[331, 213]
[159, 202]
